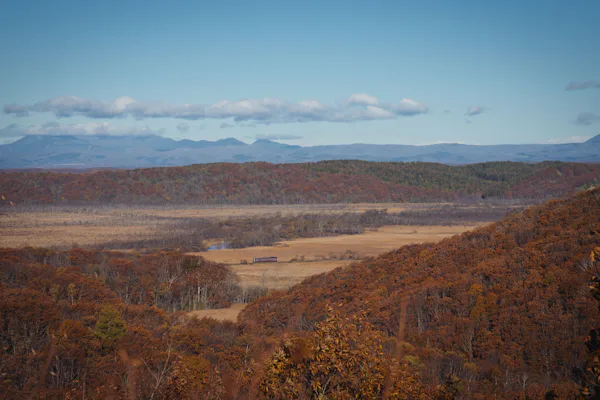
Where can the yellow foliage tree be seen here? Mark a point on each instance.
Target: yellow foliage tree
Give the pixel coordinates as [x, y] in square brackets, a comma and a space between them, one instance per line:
[343, 359]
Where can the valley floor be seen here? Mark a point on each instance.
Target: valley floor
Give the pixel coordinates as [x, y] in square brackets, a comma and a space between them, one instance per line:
[319, 255]
[94, 225]
[65, 227]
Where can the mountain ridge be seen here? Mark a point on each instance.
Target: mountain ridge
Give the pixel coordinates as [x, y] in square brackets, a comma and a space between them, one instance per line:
[594, 140]
[101, 151]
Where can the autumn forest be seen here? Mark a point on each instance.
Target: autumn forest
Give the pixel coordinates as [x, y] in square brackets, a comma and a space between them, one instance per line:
[508, 309]
[321, 182]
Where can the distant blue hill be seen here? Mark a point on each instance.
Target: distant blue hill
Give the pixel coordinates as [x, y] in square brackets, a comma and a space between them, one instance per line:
[67, 151]
[594, 140]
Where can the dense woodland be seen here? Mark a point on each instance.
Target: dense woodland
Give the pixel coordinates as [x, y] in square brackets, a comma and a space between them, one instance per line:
[503, 311]
[322, 182]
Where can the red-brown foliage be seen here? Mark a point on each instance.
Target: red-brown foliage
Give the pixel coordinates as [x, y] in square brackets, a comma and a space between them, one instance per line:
[323, 182]
[505, 308]
[503, 311]
[53, 343]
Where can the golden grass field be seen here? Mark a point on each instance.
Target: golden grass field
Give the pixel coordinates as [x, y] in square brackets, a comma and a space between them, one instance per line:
[92, 226]
[62, 228]
[370, 243]
[282, 275]
[85, 226]
[221, 314]
[321, 254]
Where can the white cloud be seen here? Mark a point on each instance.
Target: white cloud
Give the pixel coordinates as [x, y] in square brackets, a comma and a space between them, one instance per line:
[122, 102]
[377, 112]
[89, 128]
[409, 107]
[474, 110]
[312, 104]
[362, 99]
[259, 111]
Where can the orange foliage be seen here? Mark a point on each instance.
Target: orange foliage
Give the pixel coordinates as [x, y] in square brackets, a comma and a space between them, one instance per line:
[504, 308]
[504, 311]
[323, 182]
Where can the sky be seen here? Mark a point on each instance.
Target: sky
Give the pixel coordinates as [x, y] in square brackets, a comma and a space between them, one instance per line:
[307, 73]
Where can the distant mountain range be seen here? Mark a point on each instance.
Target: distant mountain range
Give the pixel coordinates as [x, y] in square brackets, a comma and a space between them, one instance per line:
[64, 151]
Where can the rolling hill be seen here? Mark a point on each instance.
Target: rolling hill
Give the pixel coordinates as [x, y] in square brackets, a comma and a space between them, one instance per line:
[504, 310]
[322, 182]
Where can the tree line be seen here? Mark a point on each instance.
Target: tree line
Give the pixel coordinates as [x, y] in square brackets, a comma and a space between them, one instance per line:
[309, 183]
[192, 234]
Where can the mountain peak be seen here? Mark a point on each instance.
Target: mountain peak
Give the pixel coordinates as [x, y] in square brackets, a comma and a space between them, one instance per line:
[270, 143]
[40, 140]
[149, 150]
[594, 140]
[230, 142]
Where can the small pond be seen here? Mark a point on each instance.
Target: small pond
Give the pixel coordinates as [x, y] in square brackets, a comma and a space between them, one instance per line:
[219, 246]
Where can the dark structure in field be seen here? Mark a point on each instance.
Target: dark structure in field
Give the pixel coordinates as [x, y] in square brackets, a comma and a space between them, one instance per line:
[264, 259]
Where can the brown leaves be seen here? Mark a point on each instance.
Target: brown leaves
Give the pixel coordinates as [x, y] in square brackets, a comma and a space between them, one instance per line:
[343, 359]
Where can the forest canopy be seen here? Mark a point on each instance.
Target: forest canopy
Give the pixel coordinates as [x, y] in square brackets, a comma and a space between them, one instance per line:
[321, 182]
[504, 310]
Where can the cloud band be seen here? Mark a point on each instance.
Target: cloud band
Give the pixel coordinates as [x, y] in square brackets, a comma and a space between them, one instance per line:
[358, 107]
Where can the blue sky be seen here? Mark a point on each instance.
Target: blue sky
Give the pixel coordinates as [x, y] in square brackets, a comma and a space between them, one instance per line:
[308, 73]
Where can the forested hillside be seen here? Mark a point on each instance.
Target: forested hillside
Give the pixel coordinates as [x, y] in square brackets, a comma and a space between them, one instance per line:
[322, 182]
[103, 324]
[503, 311]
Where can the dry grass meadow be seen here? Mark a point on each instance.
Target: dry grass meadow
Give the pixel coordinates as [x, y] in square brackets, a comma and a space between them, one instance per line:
[298, 259]
[87, 226]
[370, 243]
[318, 251]
[221, 314]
